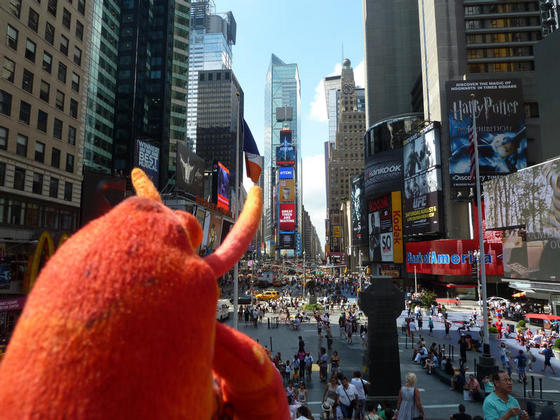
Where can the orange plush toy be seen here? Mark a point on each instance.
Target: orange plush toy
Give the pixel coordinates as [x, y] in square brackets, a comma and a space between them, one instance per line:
[121, 324]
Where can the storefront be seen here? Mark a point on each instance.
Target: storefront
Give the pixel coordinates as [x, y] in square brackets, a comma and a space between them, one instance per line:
[10, 310]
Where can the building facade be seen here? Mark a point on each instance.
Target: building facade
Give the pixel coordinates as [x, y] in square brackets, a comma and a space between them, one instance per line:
[45, 64]
[211, 39]
[282, 90]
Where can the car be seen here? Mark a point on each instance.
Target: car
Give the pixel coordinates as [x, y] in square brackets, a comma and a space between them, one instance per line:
[268, 295]
[243, 300]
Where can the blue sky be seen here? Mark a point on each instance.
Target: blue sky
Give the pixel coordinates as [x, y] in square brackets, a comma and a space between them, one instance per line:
[310, 33]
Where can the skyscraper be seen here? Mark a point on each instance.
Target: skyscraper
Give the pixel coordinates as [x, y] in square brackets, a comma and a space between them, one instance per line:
[211, 39]
[282, 90]
[102, 86]
[392, 56]
[152, 85]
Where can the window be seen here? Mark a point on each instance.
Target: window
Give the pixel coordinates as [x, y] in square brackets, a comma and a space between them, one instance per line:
[24, 112]
[63, 45]
[21, 146]
[8, 70]
[55, 158]
[2, 173]
[57, 129]
[42, 121]
[19, 179]
[75, 82]
[37, 183]
[45, 90]
[69, 163]
[30, 48]
[12, 37]
[79, 30]
[27, 81]
[39, 151]
[47, 62]
[66, 18]
[53, 188]
[68, 191]
[59, 100]
[82, 6]
[71, 135]
[5, 103]
[15, 7]
[3, 138]
[51, 7]
[33, 20]
[49, 33]
[77, 56]
[73, 108]
[62, 72]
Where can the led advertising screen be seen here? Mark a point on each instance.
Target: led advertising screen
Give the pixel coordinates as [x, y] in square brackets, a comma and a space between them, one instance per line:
[286, 172]
[525, 204]
[286, 154]
[147, 159]
[221, 186]
[212, 232]
[500, 127]
[383, 173]
[422, 181]
[286, 192]
[286, 241]
[190, 171]
[287, 217]
[359, 223]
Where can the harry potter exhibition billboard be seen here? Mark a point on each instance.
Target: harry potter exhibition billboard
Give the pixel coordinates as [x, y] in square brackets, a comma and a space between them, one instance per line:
[500, 127]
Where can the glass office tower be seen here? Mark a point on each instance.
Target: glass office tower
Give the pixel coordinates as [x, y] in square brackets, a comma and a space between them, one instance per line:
[211, 40]
[102, 86]
[282, 90]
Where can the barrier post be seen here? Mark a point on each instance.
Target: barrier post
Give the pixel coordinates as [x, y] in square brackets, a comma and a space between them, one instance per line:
[533, 386]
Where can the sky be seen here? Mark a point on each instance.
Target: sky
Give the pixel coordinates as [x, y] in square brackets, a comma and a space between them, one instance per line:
[315, 34]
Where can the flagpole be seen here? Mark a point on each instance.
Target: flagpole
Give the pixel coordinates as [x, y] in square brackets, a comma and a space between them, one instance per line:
[482, 256]
[238, 176]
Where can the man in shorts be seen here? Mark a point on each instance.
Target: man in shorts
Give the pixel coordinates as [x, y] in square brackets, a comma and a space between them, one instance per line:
[547, 353]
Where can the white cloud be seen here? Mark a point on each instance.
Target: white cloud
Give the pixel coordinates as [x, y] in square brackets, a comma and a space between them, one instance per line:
[359, 75]
[314, 192]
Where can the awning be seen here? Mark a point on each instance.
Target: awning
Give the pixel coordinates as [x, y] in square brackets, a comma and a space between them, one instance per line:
[548, 317]
[447, 300]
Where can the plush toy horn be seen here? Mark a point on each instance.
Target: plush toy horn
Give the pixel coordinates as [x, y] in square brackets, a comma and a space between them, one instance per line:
[239, 238]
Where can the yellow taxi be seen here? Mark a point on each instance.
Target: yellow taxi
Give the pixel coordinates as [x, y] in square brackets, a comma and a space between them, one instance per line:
[268, 295]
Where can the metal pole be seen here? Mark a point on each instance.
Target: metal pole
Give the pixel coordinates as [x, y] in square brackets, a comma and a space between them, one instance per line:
[237, 178]
[360, 267]
[482, 257]
[415, 281]
[304, 279]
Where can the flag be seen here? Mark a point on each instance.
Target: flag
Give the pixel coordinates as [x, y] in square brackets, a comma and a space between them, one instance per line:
[253, 161]
[472, 134]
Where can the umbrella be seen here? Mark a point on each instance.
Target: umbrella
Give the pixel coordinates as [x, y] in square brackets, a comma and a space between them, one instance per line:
[519, 294]
[548, 317]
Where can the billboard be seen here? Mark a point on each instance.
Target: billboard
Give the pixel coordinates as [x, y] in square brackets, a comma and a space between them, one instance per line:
[190, 171]
[384, 216]
[286, 172]
[383, 173]
[286, 241]
[452, 257]
[286, 193]
[359, 223]
[212, 232]
[396, 215]
[525, 204]
[147, 159]
[287, 219]
[221, 185]
[100, 193]
[285, 154]
[422, 181]
[500, 123]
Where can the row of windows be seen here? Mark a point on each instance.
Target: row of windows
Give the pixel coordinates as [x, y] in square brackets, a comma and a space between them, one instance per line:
[500, 52]
[40, 215]
[504, 37]
[501, 67]
[22, 143]
[210, 76]
[502, 8]
[37, 183]
[503, 23]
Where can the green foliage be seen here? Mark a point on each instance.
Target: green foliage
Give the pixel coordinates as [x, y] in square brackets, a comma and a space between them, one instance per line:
[427, 298]
[492, 330]
[556, 345]
[313, 307]
[521, 325]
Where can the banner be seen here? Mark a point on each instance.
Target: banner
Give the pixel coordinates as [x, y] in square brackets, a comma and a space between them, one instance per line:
[452, 257]
[359, 222]
[383, 173]
[221, 185]
[380, 223]
[396, 210]
[500, 126]
[286, 172]
[190, 171]
[147, 159]
[286, 241]
[286, 152]
[286, 190]
[422, 181]
[287, 222]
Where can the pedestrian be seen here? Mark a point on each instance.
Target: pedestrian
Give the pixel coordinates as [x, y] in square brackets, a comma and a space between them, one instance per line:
[301, 344]
[521, 365]
[409, 405]
[420, 322]
[302, 395]
[335, 362]
[547, 356]
[412, 329]
[503, 356]
[360, 385]
[303, 413]
[308, 360]
[461, 415]
[323, 361]
[447, 327]
[347, 398]
[329, 394]
[548, 412]
[500, 404]
[431, 325]
[530, 359]
[349, 330]
[463, 345]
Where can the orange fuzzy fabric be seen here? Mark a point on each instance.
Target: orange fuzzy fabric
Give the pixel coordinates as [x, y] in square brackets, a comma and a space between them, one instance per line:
[121, 325]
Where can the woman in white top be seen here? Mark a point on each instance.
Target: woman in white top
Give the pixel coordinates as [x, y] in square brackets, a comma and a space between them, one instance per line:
[409, 405]
[302, 396]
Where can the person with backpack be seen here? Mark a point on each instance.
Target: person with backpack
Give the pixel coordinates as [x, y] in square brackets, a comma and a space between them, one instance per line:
[521, 360]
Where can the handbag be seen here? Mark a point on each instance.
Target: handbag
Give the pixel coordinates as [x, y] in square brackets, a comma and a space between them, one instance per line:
[364, 386]
[352, 402]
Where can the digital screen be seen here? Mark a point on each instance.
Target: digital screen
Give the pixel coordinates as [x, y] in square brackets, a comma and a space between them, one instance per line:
[147, 159]
[286, 172]
[359, 225]
[287, 217]
[286, 190]
[190, 171]
[222, 186]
